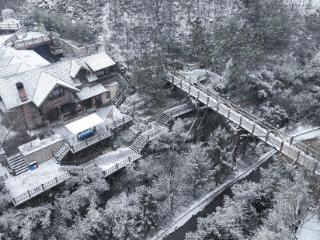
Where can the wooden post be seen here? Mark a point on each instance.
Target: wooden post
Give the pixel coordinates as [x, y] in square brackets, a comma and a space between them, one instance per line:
[281, 146]
[129, 158]
[267, 136]
[314, 168]
[291, 140]
[198, 95]
[42, 186]
[172, 79]
[29, 193]
[218, 106]
[253, 128]
[181, 83]
[240, 121]
[208, 101]
[229, 114]
[56, 179]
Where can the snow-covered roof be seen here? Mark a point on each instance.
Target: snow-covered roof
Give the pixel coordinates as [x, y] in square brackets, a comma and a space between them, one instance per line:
[74, 69]
[89, 92]
[85, 123]
[46, 84]
[39, 81]
[13, 61]
[99, 61]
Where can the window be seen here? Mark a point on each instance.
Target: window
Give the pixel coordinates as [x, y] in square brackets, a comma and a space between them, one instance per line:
[56, 93]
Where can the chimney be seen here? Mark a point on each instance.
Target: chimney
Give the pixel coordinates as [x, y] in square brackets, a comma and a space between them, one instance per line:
[22, 92]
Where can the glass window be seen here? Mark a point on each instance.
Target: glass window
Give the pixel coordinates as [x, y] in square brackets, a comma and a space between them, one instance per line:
[56, 93]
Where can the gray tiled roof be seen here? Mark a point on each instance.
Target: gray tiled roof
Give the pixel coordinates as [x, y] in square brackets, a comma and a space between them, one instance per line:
[38, 82]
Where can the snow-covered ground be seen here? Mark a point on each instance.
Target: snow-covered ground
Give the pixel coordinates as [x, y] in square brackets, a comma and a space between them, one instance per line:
[47, 171]
[30, 35]
[110, 159]
[310, 230]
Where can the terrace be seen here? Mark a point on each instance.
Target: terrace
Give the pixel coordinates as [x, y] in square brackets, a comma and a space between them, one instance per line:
[103, 120]
[32, 183]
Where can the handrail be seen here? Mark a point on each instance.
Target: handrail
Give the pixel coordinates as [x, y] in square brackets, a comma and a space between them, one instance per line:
[36, 191]
[32, 41]
[298, 152]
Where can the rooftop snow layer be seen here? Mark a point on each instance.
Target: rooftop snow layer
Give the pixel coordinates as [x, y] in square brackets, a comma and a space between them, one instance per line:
[85, 123]
[89, 92]
[99, 61]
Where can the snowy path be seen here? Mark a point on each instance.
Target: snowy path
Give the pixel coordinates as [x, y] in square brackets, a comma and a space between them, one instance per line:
[199, 205]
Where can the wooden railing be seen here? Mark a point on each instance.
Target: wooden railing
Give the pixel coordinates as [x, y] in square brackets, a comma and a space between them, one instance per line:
[20, 44]
[40, 189]
[90, 141]
[3, 178]
[298, 152]
[120, 122]
[10, 26]
[122, 164]
[179, 110]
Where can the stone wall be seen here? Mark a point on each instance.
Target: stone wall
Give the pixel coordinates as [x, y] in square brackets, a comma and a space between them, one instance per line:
[71, 50]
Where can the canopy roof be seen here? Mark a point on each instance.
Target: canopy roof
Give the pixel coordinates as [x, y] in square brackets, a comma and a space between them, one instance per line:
[85, 123]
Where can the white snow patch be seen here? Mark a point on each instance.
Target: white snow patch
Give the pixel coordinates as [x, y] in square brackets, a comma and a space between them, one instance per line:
[310, 230]
[47, 171]
[108, 160]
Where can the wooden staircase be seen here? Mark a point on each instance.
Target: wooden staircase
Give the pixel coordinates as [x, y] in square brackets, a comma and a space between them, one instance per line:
[164, 120]
[62, 152]
[138, 144]
[18, 164]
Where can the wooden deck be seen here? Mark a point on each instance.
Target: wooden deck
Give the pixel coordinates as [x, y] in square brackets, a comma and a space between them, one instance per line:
[40, 189]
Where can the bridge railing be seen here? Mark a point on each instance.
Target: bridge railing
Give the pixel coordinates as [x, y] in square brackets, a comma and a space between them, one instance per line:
[267, 133]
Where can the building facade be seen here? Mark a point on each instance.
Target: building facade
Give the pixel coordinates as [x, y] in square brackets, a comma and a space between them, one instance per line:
[58, 91]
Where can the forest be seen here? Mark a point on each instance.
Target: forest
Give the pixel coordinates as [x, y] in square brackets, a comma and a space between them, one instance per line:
[267, 52]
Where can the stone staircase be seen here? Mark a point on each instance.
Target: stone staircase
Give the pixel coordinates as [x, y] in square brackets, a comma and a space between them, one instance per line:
[17, 164]
[163, 120]
[138, 144]
[62, 152]
[123, 81]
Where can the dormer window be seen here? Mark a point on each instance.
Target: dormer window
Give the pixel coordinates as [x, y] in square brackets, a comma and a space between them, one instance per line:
[56, 93]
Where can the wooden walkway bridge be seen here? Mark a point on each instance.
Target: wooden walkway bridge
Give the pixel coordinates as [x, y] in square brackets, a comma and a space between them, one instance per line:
[296, 151]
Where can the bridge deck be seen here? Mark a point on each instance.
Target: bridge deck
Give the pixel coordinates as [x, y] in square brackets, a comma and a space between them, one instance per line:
[298, 152]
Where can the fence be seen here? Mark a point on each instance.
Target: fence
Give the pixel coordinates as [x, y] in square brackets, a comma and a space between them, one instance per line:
[179, 110]
[3, 178]
[122, 164]
[90, 141]
[10, 26]
[32, 42]
[119, 122]
[36, 191]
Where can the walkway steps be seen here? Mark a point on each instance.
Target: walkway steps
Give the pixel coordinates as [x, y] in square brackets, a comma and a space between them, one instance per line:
[138, 144]
[18, 164]
[62, 152]
[164, 120]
